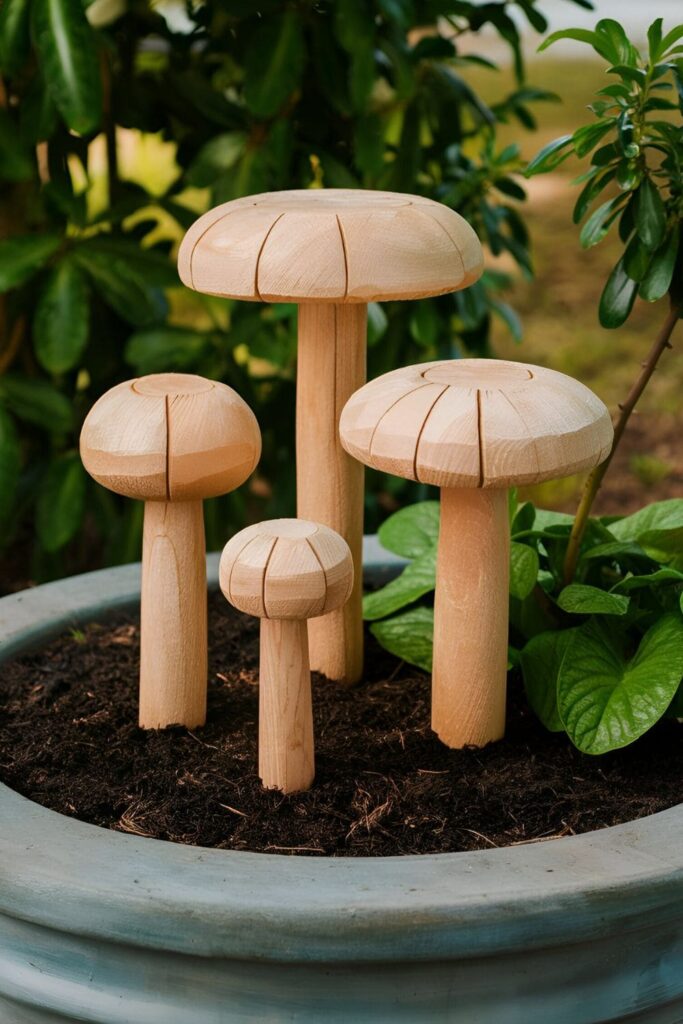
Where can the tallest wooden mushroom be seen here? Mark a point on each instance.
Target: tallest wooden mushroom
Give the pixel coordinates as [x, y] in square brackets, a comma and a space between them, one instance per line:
[331, 251]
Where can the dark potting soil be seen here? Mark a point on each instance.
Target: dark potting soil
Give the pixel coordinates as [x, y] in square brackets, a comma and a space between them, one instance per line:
[384, 783]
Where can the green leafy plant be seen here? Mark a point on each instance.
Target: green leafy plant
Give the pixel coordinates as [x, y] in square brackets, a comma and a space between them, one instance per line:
[635, 144]
[601, 658]
[233, 98]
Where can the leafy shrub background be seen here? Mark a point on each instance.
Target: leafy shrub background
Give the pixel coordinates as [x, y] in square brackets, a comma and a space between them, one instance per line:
[350, 94]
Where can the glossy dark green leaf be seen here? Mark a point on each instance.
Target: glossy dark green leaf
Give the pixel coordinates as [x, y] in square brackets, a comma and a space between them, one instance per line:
[591, 190]
[61, 501]
[618, 296]
[122, 286]
[540, 660]
[586, 138]
[660, 515]
[654, 39]
[650, 215]
[274, 63]
[14, 35]
[669, 40]
[636, 259]
[155, 350]
[550, 157]
[35, 401]
[656, 282]
[598, 224]
[409, 636]
[215, 158]
[10, 465]
[607, 701]
[580, 35]
[61, 322]
[69, 54]
[621, 51]
[20, 258]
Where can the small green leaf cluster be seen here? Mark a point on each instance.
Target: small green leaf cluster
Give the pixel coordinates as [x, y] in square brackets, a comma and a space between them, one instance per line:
[635, 142]
[249, 98]
[602, 658]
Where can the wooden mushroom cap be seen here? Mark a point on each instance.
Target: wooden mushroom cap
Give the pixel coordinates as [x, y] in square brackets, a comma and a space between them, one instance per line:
[330, 245]
[286, 569]
[170, 437]
[476, 423]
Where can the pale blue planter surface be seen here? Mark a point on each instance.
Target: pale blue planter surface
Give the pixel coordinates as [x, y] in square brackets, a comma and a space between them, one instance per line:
[103, 927]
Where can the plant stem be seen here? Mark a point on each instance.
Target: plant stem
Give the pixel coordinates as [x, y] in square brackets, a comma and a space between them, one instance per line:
[592, 485]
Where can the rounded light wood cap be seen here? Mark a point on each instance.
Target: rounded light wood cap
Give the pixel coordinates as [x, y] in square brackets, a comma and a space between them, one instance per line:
[330, 245]
[170, 437]
[476, 423]
[286, 569]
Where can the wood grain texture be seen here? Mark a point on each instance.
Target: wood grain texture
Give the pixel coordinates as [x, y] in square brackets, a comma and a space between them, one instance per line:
[173, 656]
[171, 440]
[491, 424]
[331, 366]
[330, 245]
[286, 569]
[286, 759]
[469, 672]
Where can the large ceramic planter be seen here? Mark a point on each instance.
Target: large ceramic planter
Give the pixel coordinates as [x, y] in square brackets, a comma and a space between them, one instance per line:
[102, 927]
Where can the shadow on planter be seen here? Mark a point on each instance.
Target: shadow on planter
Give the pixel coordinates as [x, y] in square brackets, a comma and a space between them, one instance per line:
[97, 926]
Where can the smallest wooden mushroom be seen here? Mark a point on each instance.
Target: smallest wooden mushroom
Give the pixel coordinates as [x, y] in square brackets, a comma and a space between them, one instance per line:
[286, 571]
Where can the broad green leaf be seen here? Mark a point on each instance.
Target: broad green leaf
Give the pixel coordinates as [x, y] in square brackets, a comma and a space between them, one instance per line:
[417, 579]
[154, 269]
[10, 465]
[540, 660]
[655, 284]
[155, 350]
[273, 63]
[618, 296]
[21, 257]
[545, 518]
[670, 39]
[653, 579]
[35, 401]
[61, 500]
[607, 701]
[550, 157]
[409, 636]
[581, 599]
[412, 530]
[14, 35]
[69, 54]
[60, 325]
[650, 215]
[661, 515]
[654, 39]
[599, 181]
[361, 75]
[614, 551]
[523, 570]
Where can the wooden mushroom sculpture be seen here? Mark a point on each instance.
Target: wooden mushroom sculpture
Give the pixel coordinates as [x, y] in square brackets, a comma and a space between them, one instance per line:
[474, 428]
[171, 439]
[285, 572]
[332, 251]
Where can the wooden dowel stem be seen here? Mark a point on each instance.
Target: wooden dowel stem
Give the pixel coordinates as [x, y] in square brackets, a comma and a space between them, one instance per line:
[471, 617]
[286, 755]
[173, 657]
[331, 366]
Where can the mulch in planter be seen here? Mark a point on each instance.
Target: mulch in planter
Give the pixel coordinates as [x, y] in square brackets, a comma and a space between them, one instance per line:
[384, 783]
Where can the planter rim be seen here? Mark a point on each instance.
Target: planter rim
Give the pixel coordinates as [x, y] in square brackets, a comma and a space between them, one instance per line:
[80, 878]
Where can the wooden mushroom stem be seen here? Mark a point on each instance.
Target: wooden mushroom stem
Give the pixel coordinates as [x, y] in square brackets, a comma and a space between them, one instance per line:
[286, 758]
[173, 657]
[331, 366]
[471, 617]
